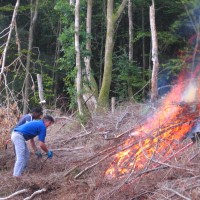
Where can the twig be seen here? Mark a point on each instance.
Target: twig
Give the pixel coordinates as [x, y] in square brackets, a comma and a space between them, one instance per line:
[67, 149]
[121, 119]
[177, 193]
[43, 163]
[93, 165]
[77, 136]
[14, 194]
[194, 156]
[35, 193]
[172, 166]
[126, 181]
[85, 129]
[139, 195]
[86, 161]
[98, 154]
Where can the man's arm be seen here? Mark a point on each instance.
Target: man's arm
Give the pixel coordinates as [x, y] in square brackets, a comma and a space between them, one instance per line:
[43, 146]
[32, 142]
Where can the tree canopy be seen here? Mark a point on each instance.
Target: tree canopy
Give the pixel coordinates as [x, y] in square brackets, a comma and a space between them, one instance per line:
[53, 50]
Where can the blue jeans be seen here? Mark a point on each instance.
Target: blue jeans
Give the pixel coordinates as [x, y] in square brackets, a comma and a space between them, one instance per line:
[22, 153]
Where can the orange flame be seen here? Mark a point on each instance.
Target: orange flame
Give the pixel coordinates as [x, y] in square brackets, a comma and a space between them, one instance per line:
[159, 136]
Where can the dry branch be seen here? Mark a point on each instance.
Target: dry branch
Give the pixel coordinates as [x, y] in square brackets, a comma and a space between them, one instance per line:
[69, 150]
[120, 120]
[14, 194]
[77, 136]
[177, 193]
[93, 165]
[126, 181]
[113, 149]
[9, 38]
[35, 193]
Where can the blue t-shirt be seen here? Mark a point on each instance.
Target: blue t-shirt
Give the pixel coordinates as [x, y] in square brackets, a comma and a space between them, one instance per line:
[32, 129]
[26, 118]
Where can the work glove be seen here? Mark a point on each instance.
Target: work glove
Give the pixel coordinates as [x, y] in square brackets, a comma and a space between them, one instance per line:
[38, 154]
[50, 154]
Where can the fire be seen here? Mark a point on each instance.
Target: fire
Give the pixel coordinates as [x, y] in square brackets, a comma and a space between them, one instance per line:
[159, 136]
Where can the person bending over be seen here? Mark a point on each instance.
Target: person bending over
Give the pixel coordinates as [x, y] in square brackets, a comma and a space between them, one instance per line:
[27, 132]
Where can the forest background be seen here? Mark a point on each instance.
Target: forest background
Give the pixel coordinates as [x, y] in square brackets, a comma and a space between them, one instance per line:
[83, 57]
[90, 51]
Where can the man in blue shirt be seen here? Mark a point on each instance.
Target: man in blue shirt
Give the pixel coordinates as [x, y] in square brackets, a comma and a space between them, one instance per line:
[26, 132]
[35, 114]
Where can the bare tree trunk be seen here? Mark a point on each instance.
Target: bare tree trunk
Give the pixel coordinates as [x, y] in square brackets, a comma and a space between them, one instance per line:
[72, 2]
[154, 87]
[130, 20]
[88, 43]
[34, 14]
[78, 59]
[90, 88]
[102, 45]
[143, 51]
[56, 57]
[41, 92]
[112, 18]
[12, 24]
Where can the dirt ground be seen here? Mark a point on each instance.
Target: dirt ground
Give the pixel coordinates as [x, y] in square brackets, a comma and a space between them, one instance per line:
[81, 158]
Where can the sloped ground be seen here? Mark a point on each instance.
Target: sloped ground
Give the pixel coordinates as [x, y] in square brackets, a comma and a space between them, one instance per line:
[84, 149]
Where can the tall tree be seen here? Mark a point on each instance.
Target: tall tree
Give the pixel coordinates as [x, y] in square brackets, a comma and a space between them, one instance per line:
[34, 14]
[143, 44]
[112, 18]
[78, 59]
[130, 20]
[154, 78]
[90, 87]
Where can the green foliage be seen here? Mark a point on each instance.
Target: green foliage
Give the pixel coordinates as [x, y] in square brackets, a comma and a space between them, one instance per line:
[47, 82]
[140, 34]
[7, 8]
[174, 65]
[67, 61]
[83, 119]
[69, 87]
[167, 39]
[124, 73]
[176, 22]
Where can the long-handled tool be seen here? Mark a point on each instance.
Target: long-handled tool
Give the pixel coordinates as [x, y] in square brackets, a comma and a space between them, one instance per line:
[43, 163]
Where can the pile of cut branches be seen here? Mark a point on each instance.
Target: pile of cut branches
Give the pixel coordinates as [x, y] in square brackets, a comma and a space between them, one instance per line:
[8, 118]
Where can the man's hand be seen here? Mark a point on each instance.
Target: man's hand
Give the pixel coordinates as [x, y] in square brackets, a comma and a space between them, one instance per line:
[50, 154]
[38, 154]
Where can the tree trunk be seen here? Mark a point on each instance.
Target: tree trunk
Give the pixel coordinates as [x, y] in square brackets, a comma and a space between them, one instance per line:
[34, 14]
[101, 62]
[112, 18]
[143, 51]
[90, 88]
[154, 87]
[130, 20]
[78, 60]
[41, 92]
[72, 2]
